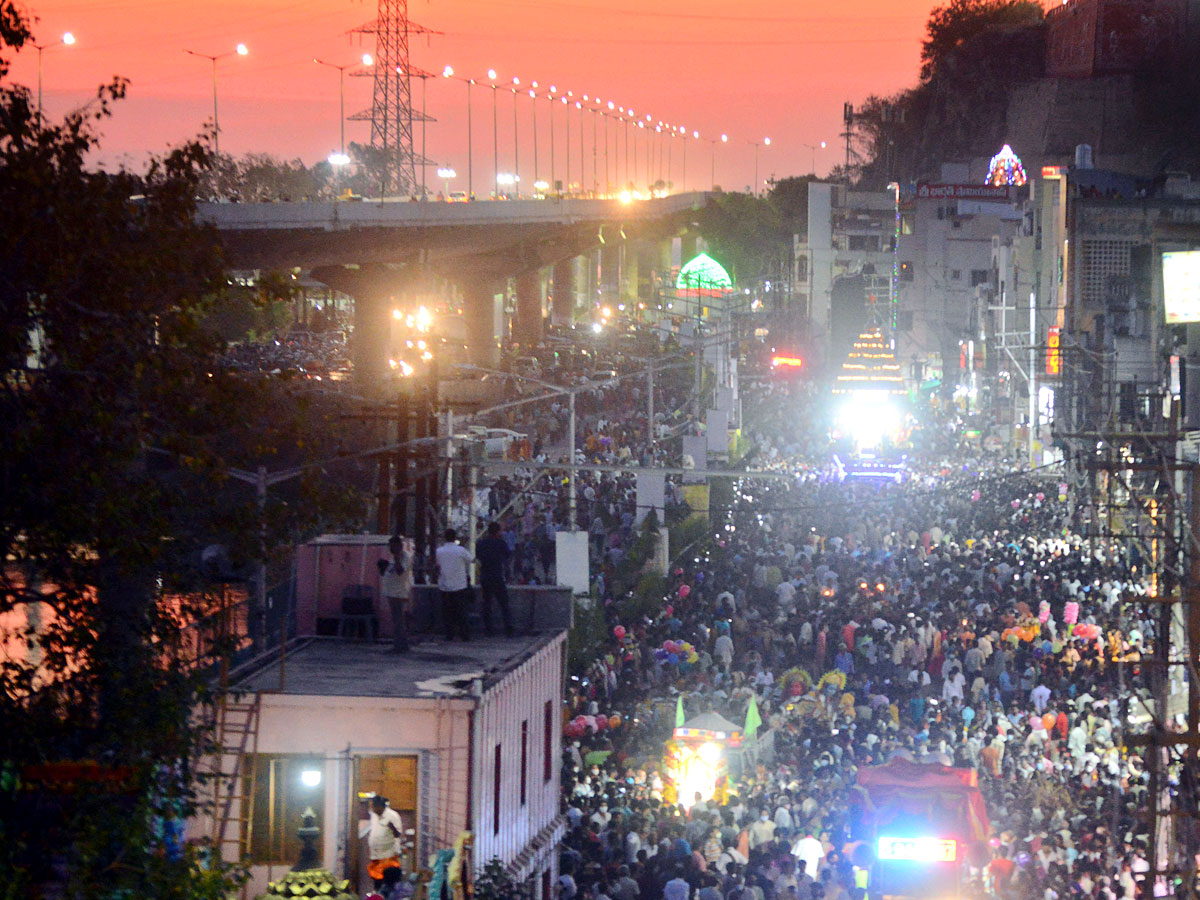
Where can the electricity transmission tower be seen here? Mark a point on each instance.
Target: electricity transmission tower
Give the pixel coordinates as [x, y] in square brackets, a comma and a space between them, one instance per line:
[391, 114]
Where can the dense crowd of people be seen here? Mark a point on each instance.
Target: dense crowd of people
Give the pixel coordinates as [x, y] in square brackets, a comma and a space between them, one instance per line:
[962, 618]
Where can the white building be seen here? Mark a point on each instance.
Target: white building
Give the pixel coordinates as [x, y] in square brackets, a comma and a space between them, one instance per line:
[458, 737]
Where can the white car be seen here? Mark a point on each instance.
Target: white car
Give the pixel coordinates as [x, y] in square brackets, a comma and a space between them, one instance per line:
[496, 441]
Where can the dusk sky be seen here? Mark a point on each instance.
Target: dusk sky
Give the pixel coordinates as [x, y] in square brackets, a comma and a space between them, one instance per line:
[752, 69]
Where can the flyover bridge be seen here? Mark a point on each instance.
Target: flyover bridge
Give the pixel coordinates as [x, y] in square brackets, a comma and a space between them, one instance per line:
[376, 250]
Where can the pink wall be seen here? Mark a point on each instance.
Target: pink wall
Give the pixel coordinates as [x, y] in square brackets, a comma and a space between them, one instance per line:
[327, 566]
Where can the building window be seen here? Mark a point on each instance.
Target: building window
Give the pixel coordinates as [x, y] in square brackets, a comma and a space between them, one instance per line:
[980, 276]
[868, 242]
[281, 787]
[548, 742]
[496, 793]
[956, 274]
[906, 271]
[524, 758]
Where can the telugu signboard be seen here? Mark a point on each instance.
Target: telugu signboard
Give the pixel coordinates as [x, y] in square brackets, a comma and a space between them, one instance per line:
[963, 192]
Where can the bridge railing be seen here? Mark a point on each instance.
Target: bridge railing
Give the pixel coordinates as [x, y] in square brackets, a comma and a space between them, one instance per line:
[344, 215]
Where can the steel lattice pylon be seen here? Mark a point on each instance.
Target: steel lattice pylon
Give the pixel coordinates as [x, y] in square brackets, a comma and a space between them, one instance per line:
[391, 112]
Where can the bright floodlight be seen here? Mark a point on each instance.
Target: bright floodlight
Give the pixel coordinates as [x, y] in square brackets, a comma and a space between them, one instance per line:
[492, 74]
[868, 417]
[68, 38]
[541, 185]
[338, 159]
[823, 145]
[446, 173]
[310, 777]
[597, 327]
[368, 59]
[767, 141]
[447, 71]
[724, 139]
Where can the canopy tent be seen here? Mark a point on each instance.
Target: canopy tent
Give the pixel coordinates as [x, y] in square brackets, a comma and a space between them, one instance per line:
[709, 726]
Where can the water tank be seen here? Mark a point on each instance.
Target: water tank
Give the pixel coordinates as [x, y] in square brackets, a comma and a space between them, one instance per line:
[1083, 156]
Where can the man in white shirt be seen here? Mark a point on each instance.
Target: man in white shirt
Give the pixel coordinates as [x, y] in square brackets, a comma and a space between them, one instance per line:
[811, 851]
[454, 566]
[383, 839]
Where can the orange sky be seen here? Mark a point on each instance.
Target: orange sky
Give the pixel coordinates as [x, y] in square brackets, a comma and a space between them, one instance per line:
[753, 68]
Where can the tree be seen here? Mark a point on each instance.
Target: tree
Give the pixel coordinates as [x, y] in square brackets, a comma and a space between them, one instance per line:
[959, 23]
[115, 418]
[745, 234]
[261, 178]
[977, 53]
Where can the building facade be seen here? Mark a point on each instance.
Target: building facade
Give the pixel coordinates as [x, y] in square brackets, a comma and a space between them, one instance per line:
[459, 740]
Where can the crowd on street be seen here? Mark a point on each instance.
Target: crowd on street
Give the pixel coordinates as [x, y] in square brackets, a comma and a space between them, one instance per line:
[962, 618]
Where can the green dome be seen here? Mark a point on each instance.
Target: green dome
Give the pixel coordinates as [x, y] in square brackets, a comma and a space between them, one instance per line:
[704, 275]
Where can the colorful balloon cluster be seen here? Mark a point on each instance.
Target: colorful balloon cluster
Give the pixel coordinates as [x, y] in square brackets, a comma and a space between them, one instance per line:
[676, 652]
[582, 725]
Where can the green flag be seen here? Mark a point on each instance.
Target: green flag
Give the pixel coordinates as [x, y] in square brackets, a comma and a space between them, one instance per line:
[753, 719]
[679, 712]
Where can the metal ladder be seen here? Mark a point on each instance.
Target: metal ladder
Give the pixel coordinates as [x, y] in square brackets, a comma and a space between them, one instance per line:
[236, 756]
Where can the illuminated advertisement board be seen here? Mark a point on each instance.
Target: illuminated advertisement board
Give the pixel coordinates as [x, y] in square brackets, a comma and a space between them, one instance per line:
[1053, 351]
[1181, 286]
[918, 849]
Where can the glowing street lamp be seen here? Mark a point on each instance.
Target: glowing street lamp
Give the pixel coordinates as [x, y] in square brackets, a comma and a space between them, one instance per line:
[448, 72]
[239, 50]
[765, 142]
[67, 40]
[712, 163]
[814, 148]
[491, 74]
[341, 70]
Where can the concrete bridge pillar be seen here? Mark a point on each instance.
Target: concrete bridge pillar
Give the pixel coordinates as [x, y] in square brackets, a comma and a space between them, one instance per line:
[610, 270]
[528, 330]
[585, 285]
[372, 337]
[562, 310]
[482, 310]
[629, 272]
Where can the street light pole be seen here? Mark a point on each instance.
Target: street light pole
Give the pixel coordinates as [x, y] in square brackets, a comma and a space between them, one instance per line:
[551, 98]
[516, 147]
[495, 138]
[764, 142]
[66, 40]
[533, 111]
[814, 148]
[240, 50]
[567, 142]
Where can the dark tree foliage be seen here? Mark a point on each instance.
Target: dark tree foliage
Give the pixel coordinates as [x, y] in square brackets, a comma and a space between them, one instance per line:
[752, 236]
[953, 29]
[977, 53]
[117, 440]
